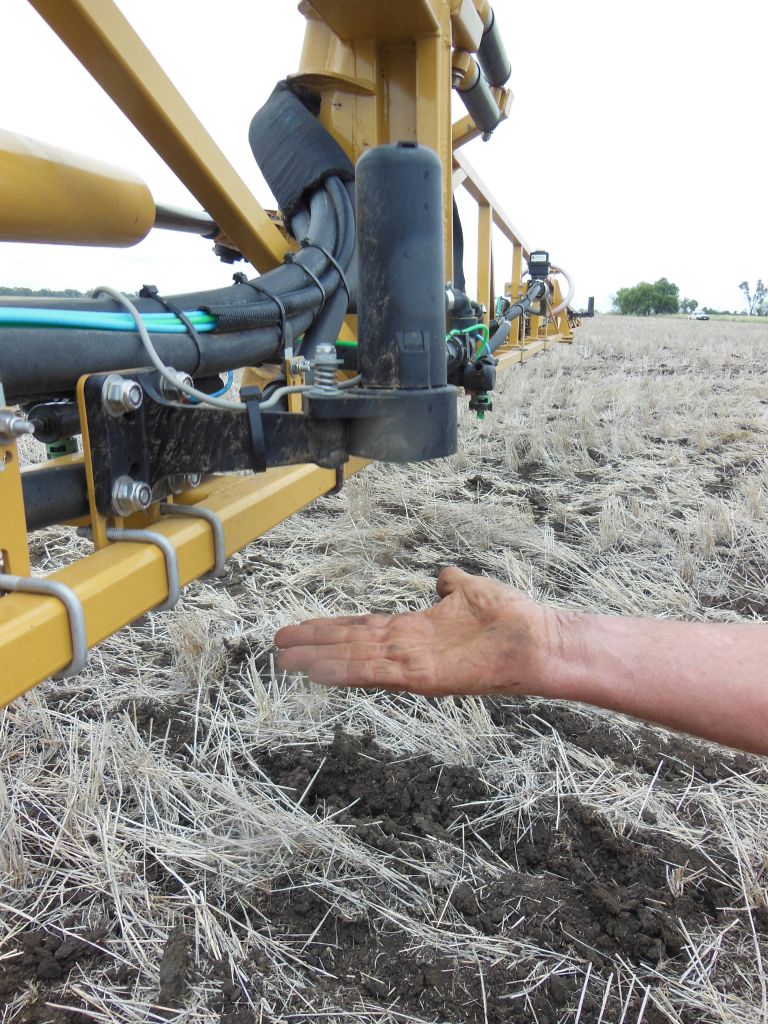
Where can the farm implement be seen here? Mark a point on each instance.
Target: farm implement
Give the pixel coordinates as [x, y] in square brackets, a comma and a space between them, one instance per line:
[355, 339]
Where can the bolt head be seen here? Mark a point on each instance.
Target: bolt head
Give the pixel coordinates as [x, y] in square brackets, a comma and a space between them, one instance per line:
[130, 495]
[180, 482]
[120, 396]
[170, 390]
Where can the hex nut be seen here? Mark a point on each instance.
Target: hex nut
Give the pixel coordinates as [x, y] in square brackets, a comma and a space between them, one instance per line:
[178, 483]
[129, 495]
[120, 396]
[172, 392]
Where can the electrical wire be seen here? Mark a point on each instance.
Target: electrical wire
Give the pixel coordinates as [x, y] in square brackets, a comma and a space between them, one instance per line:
[191, 392]
[165, 372]
[293, 389]
[222, 391]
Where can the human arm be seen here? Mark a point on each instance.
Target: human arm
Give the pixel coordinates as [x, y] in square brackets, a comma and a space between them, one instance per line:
[483, 638]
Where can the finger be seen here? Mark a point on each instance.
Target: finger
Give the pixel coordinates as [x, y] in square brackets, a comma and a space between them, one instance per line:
[451, 579]
[329, 631]
[299, 659]
[368, 675]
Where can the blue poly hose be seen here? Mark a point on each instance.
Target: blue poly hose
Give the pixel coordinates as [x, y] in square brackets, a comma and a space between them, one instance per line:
[157, 323]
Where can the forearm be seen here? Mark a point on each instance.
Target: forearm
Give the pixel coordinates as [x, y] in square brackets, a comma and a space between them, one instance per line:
[708, 679]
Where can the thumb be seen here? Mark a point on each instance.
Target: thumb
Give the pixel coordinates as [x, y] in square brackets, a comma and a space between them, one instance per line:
[450, 580]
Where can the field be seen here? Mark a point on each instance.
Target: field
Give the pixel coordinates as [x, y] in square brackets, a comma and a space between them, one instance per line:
[187, 835]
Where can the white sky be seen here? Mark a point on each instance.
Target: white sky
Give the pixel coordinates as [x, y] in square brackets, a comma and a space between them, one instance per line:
[636, 147]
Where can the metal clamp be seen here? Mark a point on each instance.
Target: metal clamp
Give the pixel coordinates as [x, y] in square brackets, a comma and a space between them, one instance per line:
[169, 551]
[70, 600]
[198, 512]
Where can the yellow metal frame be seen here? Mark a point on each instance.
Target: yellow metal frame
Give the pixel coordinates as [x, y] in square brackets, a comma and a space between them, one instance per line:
[383, 69]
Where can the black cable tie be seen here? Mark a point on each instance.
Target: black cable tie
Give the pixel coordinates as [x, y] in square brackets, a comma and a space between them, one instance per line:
[149, 291]
[306, 244]
[252, 398]
[286, 331]
[289, 258]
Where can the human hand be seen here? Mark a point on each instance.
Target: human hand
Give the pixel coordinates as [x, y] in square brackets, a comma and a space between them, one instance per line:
[482, 637]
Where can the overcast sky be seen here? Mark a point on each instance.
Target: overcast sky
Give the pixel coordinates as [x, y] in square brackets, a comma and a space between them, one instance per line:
[636, 147]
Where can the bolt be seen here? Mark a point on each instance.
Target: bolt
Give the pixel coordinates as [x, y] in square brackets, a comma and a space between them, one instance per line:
[180, 482]
[129, 495]
[300, 365]
[120, 396]
[13, 426]
[170, 391]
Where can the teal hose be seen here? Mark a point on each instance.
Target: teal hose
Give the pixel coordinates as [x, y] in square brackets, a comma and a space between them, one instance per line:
[157, 323]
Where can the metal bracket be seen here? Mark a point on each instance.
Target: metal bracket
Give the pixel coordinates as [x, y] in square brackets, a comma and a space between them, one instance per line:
[167, 548]
[198, 512]
[70, 600]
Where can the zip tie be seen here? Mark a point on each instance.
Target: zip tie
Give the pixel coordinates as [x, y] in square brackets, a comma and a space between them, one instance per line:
[289, 258]
[159, 541]
[286, 331]
[198, 512]
[149, 291]
[306, 244]
[70, 600]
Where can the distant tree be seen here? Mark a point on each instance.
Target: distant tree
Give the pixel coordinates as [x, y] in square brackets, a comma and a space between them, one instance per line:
[648, 299]
[757, 301]
[42, 293]
[689, 305]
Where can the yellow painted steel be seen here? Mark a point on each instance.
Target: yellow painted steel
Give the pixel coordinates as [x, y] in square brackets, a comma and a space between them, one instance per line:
[52, 195]
[383, 71]
[14, 551]
[122, 581]
[485, 290]
[106, 44]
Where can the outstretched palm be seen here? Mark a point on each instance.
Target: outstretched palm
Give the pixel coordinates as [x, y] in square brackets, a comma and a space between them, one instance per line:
[482, 637]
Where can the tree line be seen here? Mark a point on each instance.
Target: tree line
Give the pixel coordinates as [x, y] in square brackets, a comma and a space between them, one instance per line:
[42, 293]
[663, 296]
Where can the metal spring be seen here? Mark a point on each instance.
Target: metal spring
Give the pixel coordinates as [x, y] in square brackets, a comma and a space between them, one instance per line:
[325, 370]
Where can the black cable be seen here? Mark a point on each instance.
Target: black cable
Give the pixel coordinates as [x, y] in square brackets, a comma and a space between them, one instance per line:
[149, 291]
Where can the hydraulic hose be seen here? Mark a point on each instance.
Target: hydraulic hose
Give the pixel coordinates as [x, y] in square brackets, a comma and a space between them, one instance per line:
[476, 95]
[54, 495]
[571, 291]
[493, 55]
[536, 291]
[248, 325]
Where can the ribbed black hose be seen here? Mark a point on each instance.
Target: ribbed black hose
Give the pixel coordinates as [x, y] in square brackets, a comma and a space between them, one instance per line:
[29, 369]
[327, 326]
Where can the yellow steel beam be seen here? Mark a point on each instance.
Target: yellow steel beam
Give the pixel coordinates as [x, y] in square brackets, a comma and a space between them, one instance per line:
[463, 131]
[110, 49]
[485, 294]
[433, 117]
[122, 581]
[388, 21]
[480, 192]
[14, 551]
[510, 356]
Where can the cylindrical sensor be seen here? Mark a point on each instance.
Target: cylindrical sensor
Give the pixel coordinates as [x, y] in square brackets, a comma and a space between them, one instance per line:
[401, 296]
[493, 55]
[52, 195]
